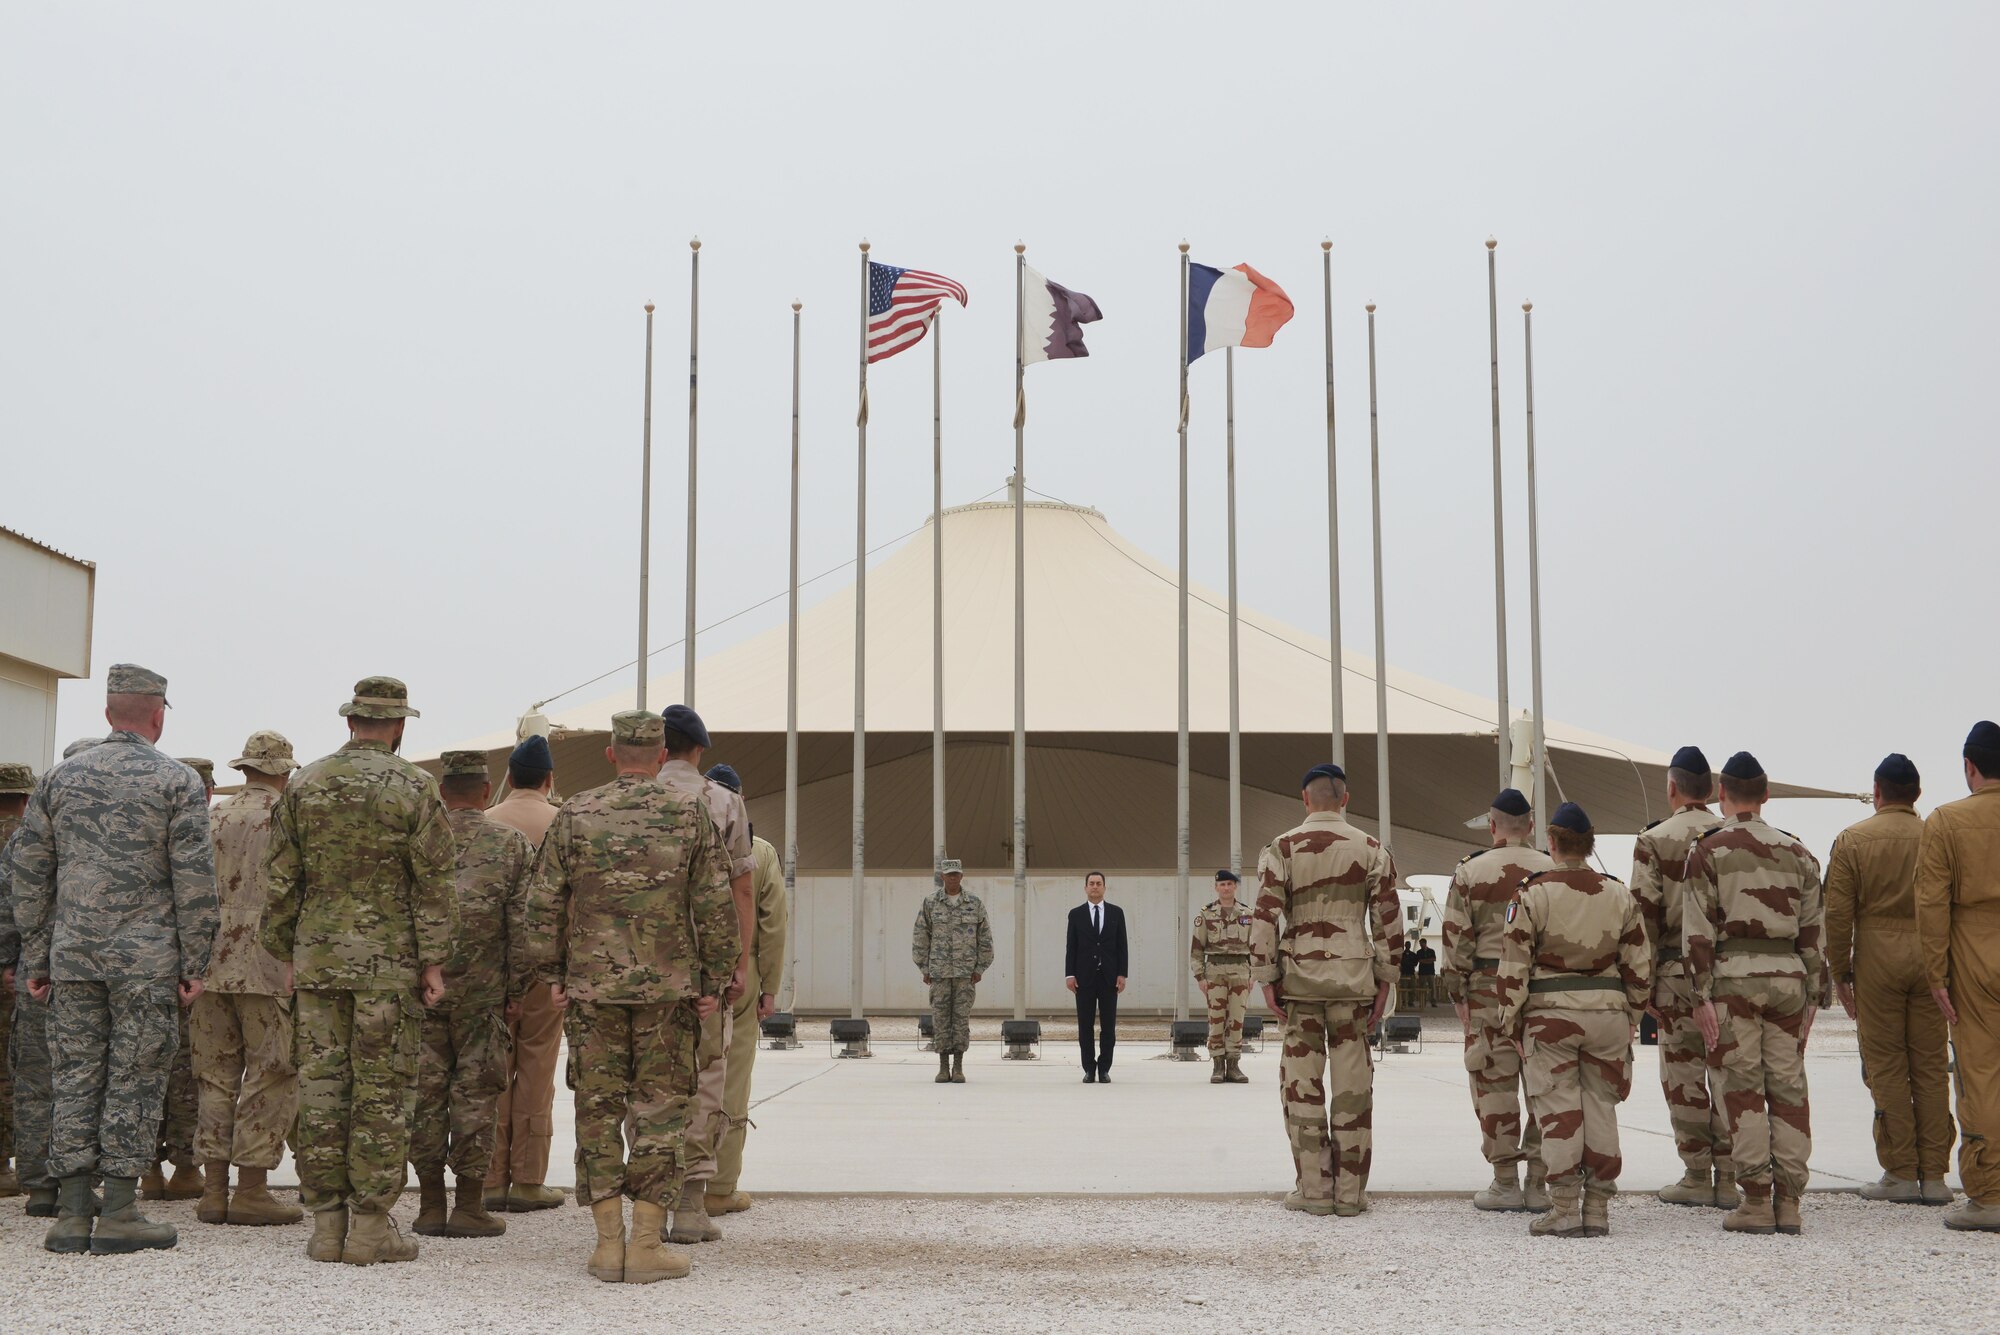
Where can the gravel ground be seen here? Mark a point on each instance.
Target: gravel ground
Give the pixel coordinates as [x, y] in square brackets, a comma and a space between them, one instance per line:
[1034, 1265]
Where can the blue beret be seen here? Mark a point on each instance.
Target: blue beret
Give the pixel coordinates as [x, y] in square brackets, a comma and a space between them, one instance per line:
[1511, 803]
[1690, 759]
[683, 720]
[727, 776]
[532, 754]
[1227, 875]
[1985, 736]
[1570, 816]
[1323, 772]
[1742, 765]
[1897, 769]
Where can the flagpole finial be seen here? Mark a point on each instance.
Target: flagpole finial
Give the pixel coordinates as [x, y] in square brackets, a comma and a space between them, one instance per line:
[1020, 249]
[1491, 243]
[1527, 305]
[864, 245]
[1326, 243]
[1371, 308]
[649, 308]
[694, 243]
[795, 307]
[1184, 245]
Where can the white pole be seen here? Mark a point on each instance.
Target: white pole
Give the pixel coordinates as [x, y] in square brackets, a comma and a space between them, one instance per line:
[645, 512]
[1384, 827]
[1332, 517]
[1020, 654]
[1181, 783]
[937, 596]
[694, 378]
[860, 872]
[1534, 578]
[1235, 697]
[1505, 743]
[784, 1002]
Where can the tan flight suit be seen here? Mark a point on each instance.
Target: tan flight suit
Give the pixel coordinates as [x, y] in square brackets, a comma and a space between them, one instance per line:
[524, 1122]
[1958, 925]
[767, 972]
[1871, 942]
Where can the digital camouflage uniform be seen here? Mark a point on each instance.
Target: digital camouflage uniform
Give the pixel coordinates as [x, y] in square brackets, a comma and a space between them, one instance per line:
[1318, 885]
[1219, 953]
[950, 942]
[462, 1059]
[767, 972]
[360, 874]
[14, 779]
[629, 910]
[1475, 922]
[183, 1104]
[1752, 922]
[1687, 1068]
[27, 1069]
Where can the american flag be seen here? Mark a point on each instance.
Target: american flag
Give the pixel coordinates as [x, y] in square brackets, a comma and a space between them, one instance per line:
[901, 303]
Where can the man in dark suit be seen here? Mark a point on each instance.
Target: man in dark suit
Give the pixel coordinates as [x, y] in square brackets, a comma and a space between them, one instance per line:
[1094, 961]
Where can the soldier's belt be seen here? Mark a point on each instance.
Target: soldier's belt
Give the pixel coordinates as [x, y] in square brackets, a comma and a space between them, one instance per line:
[1545, 985]
[1754, 945]
[1485, 962]
[1228, 959]
[1668, 954]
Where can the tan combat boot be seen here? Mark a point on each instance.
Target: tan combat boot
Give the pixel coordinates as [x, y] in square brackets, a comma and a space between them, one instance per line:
[958, 1068]
[329, 1237]
[1564, 1217]
[496, 1199]
[608, 1261]
[10, 1181]
[943, 1076]
[1535, 1196]
[253, 1204]
[120, 1226]
[469, 1218]
[1974, 1216]
[373, 1236]
[153, 1184]
[1597, 1210]
[1215, 1071]
[1297, 1201]
[186, 1183]
[1902, 1190]
[214, 1207]
[1504, 1192]
[691, 1221]
[733, 1202]
[1727, 1197]
[1785, 1213]
[1232, 1072]
[523, 1197]
[1696, 1187]
[431, 1205]
[1754, 1215]
[646, 1258]
[1934, 1191]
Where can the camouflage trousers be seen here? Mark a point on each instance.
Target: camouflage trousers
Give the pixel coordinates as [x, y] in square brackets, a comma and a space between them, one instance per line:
[709, 1123]
[1228, 993]
[182, 1109]
[1687, 1076]
[249, 1087]
[736, 1092]
[1761, 1081]
[1326, 1042]
[112, 1044]
[34, 1090]
[6, 1079]
[1579, 1069]
[461, 1068]
[1494, 1068]
[951, 1013]
[631, 1067]
[356, 1054]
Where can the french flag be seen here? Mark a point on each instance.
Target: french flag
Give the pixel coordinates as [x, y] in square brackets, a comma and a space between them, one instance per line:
[1233, 308]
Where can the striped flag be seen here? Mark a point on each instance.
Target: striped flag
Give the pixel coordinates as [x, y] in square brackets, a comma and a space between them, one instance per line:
[901, 303]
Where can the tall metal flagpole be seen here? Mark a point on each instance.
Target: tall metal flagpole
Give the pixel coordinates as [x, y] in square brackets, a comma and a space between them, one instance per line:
[1534, 577]
[792, 698]
[1384, 826]
[1020, 652]
[1181, 782]
[1506, 746]
[645, 512]
[1235, 698]
[860, 653]
[1332, 516]
[937, 595]
[694, 378]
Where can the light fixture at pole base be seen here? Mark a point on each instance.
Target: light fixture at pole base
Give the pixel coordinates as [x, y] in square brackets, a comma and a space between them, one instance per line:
[851, 1034]
[1190, 1040]
[1022, 1038]
[780, 1030]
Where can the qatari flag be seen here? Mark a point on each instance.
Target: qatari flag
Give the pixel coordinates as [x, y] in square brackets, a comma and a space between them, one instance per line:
[1052, 320]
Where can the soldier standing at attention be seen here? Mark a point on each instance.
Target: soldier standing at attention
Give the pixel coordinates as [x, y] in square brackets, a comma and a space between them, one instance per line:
[114, 894]
[1752, 922]
[1575, 975]
[1878, 973]
[16, 1169]
[241, 1024]
[1327, 977]
[1958, 927]
[183, 1106]
[1220, 954]
[522, 1124]
[952, 945]
[629, 921]
[30, 1066]
[759, 999]
[462, 1051]
[1687, 1067]
[1475, 919]
[362, 915]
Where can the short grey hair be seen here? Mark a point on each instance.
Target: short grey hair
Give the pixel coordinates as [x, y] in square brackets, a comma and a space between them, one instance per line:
[1326, 788]
[1700, 787]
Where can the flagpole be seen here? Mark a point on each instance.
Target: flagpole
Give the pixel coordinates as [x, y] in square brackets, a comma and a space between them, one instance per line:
[860, 656]
[1181, 782]
[1499, 522]
[792, 698]
[937, 596]
[1383, 826]
[645, 511]
[1540, 754]
[1332, 515]
[1020, 651]
[694, 377]
[1235, 697]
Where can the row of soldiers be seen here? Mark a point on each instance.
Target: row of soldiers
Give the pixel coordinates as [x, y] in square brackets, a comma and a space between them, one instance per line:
[351, 945]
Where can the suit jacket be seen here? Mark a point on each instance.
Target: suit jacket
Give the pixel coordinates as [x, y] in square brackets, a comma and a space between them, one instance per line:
[1089, 957]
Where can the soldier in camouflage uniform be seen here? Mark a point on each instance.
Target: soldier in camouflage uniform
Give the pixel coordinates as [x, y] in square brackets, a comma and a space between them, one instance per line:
[952, 945]
[1475, 919]
[462, 1064]
[1687, 1069]
[114, 894]
[183, 1106]
[630, 922]
[16, 782]
[242, 1022]
[1220, 955]
[1327, 979]
[362, 913]
[1752, 921]
[1575, 975]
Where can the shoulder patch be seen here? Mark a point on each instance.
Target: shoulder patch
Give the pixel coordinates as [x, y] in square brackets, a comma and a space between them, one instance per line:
[1513, 907]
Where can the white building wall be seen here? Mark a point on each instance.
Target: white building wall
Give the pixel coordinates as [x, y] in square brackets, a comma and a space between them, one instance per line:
[27, 713]
[46, 605]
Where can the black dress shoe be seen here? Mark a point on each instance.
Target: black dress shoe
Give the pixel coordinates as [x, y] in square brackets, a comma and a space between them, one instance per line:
[1090, 1077]
[1104, 1077]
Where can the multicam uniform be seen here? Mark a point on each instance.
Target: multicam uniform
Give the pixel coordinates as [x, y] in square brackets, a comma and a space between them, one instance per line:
[950, 942]
[1220, 956]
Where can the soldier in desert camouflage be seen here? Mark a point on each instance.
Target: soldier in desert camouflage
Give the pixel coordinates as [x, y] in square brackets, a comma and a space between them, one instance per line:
[1219, 954]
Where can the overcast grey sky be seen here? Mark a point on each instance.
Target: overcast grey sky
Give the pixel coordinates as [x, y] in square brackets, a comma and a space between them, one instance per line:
[320, 331]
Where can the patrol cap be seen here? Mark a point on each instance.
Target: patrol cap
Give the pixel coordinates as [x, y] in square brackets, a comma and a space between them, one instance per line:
[727, 776]
[1742, 765]
[464, 764]
[1510, 802]
[201, 766]
[1985, 736]
[949, 866]
[637, 727]
[683, 720]
[131, 679]
[532, 754]
[80, 744]
[1327, 771]
[1690, 759]
[379, 697]
[1569, 816]
[266, 752]
[1897, 769]
[16, 778]
[1227, 875]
